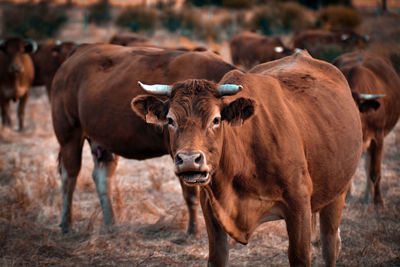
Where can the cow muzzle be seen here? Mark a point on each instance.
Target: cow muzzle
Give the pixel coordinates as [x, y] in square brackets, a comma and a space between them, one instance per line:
[192, 168]
[14, 68]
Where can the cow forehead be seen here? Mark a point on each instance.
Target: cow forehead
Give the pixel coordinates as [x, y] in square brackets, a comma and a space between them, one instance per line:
[197, 98]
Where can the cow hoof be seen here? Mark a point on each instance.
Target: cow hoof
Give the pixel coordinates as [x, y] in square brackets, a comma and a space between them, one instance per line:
[65, 229]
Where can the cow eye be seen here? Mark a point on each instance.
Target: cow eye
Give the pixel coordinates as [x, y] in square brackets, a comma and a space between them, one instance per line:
[171, 122]
[216, 121]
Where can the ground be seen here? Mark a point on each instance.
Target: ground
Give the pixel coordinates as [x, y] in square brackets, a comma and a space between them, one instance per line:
[151, 214]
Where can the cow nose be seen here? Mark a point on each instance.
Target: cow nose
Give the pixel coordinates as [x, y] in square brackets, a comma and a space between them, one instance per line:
[15, 68]
[189, 161]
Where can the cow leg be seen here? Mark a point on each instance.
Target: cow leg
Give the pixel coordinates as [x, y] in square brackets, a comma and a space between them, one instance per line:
[5, 116]
[69, 166]
[298, 225]
[375, 152]
[218, 253]
[191, 196]
[329, 218]
[21, 111]
[105, 164]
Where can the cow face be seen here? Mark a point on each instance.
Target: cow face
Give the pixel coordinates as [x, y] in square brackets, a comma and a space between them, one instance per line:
[14, 48]
[195, 113]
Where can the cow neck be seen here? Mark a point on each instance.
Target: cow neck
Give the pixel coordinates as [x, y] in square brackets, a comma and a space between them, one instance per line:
[226, 203]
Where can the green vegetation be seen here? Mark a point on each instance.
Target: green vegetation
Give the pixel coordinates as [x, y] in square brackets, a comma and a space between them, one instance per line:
[36, 21]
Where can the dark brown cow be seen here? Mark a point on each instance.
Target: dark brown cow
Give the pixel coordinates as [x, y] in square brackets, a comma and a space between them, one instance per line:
[91, 100]
[369, 74]
[16, 76]
[130, 39]
[47, 59]
[318, 42]
[249, 49]
[295, 154]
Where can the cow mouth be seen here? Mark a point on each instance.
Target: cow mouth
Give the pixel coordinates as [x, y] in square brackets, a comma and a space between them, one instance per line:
[194, 177]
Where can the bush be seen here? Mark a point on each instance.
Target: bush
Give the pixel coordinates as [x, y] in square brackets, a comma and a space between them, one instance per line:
[281, 18]
[338, 17]
[36, 21]
[317, 4]
[138, 19]
[100, 12]
[237, 3]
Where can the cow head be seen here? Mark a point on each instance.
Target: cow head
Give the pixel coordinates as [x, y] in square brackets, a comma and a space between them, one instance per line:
[14, 48]
[60, 51]
[196, 114]
[366, 102]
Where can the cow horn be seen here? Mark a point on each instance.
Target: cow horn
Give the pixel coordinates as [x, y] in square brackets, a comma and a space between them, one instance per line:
[157, 89]
[33, 43]
[229, 89]
[369, 96]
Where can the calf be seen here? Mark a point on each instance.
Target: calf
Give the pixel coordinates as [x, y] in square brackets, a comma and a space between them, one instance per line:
[370, 75]
[280, 142]
[16, 76]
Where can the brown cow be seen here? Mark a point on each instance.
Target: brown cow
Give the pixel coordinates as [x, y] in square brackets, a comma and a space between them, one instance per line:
[369, 74]
[249, 49]
[47, 59]
[16, 76]
[91, 100]
[295, 154]
[130, 39]
[320, 43]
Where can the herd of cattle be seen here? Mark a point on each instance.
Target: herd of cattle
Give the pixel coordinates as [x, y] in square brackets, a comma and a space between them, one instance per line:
[280, 139]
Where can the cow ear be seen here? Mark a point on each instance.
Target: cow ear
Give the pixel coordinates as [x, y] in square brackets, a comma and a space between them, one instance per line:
[150, 108]
[238, 111]
[368, 105]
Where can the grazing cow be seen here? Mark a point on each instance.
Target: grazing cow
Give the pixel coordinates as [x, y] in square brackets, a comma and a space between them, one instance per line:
[47, 59]
[90, 99]
[249, 49]
[295, 153]
[130, 39]
[369, 74]
[16, 76]
[322, 44]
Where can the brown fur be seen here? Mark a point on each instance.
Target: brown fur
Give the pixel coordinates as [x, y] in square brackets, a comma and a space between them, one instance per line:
[369, 74]
[312, 40]
[249, 49]
[295, 154]
[16, 77]
[47, 59]
[91, 96]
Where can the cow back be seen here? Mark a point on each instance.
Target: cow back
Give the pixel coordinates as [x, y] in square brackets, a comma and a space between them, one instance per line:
[96, 84]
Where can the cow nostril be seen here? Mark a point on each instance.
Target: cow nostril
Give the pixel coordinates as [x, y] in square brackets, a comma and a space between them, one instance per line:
[198, 159]
[178, 160]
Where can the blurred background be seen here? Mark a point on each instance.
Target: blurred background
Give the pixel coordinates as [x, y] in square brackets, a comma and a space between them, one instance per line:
[209, 23]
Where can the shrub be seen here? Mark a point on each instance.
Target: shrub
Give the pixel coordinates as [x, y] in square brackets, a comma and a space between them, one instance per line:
[36, 21]
[100, 12]
[281, 18]
[295, 17]
[138, 19]
[338, 17]
[237, 3]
